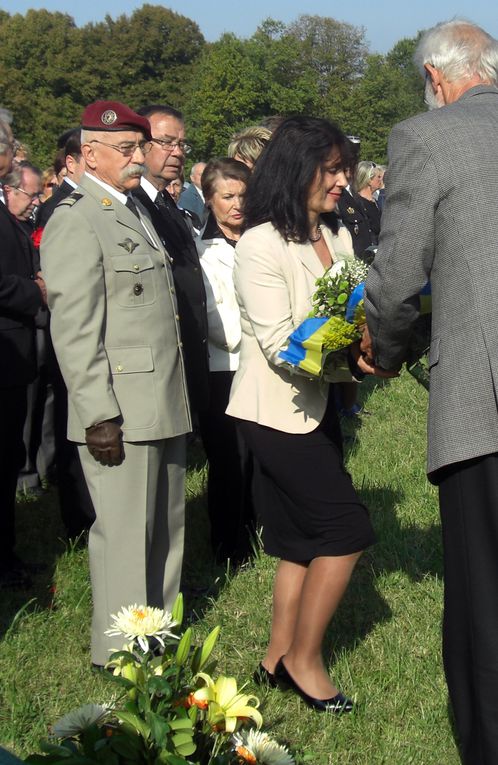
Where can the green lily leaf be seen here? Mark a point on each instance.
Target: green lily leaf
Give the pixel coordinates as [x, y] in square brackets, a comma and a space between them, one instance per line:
[177, 610]
[342, 298]
[135, 722]
[181, 723]
[184, 744]
[184, 645]
[159, 729]
[208, 646]
[159, 685]
[123, 655]
[167, 758]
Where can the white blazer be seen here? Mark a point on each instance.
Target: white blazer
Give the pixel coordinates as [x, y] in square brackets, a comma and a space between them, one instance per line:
[217, 258]
[274, 282]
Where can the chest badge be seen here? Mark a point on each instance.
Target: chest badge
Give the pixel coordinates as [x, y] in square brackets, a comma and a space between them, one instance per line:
[129, 245]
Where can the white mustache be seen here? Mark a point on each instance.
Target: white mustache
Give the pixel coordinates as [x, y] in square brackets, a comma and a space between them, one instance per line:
[135, 169]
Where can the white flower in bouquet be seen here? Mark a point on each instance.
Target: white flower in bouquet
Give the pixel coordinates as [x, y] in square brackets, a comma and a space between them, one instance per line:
[141, 623]
[356, 270]
[258, 748]
[78, 720]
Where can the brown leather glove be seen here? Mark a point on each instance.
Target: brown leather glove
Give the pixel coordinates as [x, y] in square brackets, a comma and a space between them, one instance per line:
[105, 443]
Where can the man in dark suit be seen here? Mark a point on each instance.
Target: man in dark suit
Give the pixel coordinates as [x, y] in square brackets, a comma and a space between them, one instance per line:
[22, 293]
[192, 198]
[163, 163]
[440, 223]
[75, 167]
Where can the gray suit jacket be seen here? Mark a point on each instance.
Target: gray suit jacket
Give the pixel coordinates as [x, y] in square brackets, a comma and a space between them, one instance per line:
[114, 318]
[440, 223]
[191, 200]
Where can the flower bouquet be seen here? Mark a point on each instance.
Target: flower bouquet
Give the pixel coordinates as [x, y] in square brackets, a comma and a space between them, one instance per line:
[168, 710]
[319, 346]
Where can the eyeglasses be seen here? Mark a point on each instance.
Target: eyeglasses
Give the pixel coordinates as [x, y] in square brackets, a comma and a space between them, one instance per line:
[127, 149]
[35, 195]
[168, 144]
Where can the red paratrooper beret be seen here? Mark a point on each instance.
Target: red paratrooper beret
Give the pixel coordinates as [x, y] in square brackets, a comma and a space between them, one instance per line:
[113, 116]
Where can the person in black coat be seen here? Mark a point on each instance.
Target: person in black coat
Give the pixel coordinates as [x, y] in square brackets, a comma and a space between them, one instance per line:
[22, 293]
[163, 163]
[359, 211]
[75, 168]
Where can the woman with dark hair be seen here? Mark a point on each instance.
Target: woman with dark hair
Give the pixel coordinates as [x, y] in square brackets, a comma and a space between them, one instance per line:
[312, 518]
[223, 186]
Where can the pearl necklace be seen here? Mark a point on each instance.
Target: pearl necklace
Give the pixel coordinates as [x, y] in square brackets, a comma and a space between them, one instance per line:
[316, 237]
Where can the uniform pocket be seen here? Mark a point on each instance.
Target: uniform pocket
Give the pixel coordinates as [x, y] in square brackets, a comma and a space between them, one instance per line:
[133, 385]
[134, 279]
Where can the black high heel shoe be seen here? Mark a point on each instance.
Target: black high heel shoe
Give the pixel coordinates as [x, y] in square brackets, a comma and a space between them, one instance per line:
[338, 704]
[262, 676]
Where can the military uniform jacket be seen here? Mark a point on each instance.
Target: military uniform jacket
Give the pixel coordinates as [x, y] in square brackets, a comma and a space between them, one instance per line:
[114, 318]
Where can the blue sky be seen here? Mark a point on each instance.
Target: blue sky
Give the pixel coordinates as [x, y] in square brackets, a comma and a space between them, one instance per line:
[385, 21]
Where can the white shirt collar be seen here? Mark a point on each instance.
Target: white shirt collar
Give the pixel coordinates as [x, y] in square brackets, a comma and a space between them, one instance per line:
[115, 193]
[71, 182]
[149, 189]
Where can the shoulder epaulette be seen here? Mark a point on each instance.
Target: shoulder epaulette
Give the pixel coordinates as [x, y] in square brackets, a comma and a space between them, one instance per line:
[70, 200]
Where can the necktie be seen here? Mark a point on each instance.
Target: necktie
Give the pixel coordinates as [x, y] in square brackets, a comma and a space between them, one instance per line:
[130, 204]
[160, 203]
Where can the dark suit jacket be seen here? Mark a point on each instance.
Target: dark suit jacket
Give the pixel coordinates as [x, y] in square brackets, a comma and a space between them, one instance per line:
[20, 299]
[364, 230]
[190, 293]
[47, 208]
[191, 200]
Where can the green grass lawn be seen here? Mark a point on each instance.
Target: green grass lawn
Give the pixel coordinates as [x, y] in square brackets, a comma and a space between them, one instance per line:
[383, 645]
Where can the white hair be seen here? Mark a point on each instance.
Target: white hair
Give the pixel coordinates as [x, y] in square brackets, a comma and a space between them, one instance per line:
[460, 50]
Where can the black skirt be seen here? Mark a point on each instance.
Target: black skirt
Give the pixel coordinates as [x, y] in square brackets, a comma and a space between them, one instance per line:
[302, 493]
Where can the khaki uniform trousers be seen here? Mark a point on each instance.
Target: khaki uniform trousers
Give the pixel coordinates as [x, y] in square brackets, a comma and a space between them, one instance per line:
[136, 542]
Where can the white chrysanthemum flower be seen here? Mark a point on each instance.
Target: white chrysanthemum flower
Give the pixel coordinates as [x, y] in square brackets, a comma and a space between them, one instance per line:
[257, 748]
[142, 622]
[79, 720]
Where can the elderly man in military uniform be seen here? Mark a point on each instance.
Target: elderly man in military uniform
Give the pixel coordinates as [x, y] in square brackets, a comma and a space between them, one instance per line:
[116, 334]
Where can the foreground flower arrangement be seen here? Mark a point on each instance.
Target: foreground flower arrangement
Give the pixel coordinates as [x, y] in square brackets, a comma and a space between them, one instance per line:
[170, 710]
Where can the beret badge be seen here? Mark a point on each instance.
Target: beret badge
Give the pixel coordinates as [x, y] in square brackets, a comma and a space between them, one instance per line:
[109, 117]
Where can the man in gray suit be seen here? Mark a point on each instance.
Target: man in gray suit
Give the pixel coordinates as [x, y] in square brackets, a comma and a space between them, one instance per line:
[116, 334]
[440, 224]
[192, 199]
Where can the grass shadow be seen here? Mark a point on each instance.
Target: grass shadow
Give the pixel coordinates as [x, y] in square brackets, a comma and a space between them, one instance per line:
[408, 547]
[40, 543]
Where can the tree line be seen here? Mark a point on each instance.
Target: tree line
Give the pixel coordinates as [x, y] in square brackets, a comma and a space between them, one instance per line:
[50, 69]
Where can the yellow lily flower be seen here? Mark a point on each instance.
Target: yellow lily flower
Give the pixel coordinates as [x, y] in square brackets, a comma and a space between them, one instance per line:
[225, 704]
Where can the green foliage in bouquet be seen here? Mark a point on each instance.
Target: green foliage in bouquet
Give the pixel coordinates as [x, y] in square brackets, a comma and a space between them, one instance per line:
[334, 288]
[168, 709]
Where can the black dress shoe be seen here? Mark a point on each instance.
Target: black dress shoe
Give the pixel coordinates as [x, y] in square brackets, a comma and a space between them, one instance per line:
[338, 704]
[262, 676]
